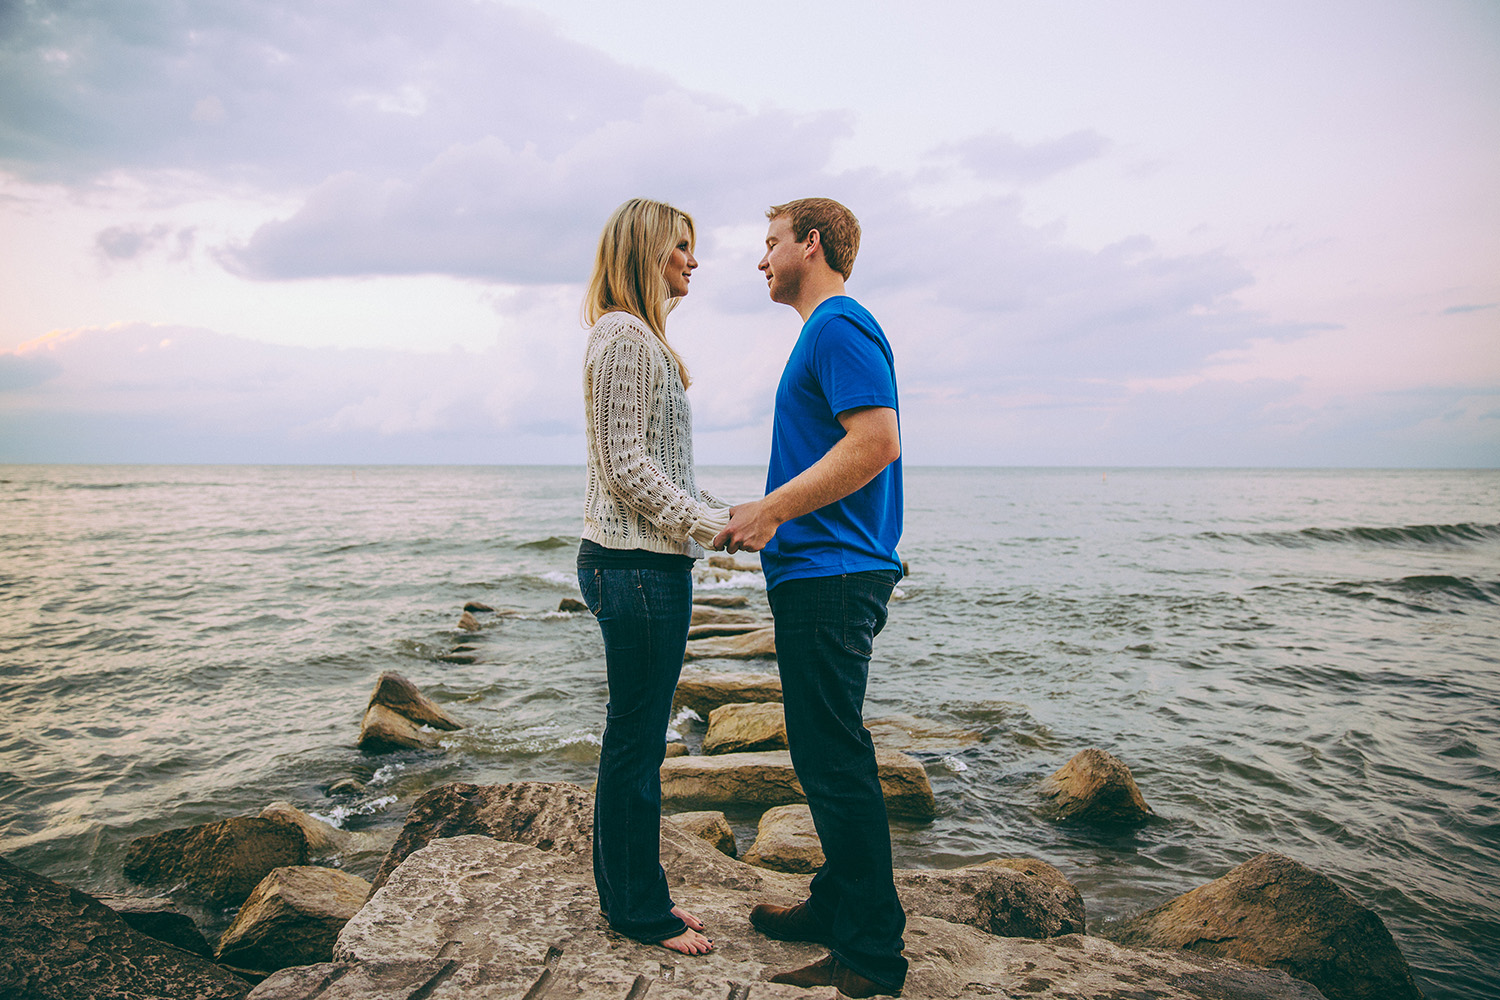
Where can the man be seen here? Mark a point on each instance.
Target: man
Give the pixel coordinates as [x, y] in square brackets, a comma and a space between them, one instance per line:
[827, 531]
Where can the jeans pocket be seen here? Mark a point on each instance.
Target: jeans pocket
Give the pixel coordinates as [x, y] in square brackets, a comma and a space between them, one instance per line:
[591, 586]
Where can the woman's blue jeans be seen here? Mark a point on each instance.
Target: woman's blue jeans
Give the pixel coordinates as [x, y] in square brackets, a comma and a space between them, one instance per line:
[825, 631]
[644, 616]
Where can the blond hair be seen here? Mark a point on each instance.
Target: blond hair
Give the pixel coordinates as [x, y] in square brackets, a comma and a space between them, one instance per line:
[838, 229]
[629, 268]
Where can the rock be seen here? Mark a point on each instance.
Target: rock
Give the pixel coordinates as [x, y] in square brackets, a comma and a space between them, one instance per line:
[468, 622]
[714, 631]
[749, 646]
[456, 658]
[767, 779]
[292, 918]
[572, 605]
[472, 918]
[322, 838]
[1007, 897]
[745, 727]
[786, 841]
[477, 606]
[703, 691]
[383, 729]
[1277, 912]
[720, 600]
[709, 825]
[221, 862]
[676, 749]
[347, 786]
[907, 732]
[58, 943]
[725, 561]
[710, 615]
[397, 714]
[158, 917]
[1096, 787]
[550, 815]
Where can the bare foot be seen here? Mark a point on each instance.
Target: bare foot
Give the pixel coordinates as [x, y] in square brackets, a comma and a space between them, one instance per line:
[689, 942]
[693, 922]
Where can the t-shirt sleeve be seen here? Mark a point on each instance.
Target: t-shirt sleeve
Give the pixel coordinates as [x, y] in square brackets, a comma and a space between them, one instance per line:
[853, 367]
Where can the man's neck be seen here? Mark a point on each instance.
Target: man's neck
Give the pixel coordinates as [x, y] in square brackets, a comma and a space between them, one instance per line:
[817, 292]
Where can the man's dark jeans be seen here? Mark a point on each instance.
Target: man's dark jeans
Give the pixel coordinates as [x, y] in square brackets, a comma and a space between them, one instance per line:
[825, 628]
[644, 616]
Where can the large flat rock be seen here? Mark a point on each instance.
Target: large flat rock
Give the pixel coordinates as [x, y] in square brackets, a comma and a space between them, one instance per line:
[473, 918]
[768, 779]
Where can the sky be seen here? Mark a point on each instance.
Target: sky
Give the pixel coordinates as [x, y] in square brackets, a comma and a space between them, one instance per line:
[1136, 233]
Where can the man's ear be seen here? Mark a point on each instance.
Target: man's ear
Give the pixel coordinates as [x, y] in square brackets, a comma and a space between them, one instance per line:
[814, 244]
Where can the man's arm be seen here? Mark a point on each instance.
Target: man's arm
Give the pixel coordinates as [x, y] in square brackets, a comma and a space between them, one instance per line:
[871, 441]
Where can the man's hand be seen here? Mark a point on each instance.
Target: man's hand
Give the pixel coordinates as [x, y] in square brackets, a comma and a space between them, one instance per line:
[751, 526]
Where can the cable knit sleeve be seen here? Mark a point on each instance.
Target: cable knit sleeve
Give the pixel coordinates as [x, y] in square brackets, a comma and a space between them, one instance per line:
[623, 376]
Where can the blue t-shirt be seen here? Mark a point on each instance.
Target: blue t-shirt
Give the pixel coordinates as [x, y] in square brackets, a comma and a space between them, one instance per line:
[841, 362]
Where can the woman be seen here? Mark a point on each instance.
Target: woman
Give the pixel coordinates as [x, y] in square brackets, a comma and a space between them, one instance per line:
[642, 512]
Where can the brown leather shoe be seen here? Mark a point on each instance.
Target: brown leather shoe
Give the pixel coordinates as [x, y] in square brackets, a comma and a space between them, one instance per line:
[787, 923]
[852, 985]
[820, 973]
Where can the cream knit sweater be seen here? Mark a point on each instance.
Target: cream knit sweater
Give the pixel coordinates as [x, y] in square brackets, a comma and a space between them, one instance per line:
[639, 429]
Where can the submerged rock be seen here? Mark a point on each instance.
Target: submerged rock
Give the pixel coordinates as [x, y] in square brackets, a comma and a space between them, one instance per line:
[477, 606]
[159, 917]
[572, 605]
[468, 622]
[549, 815]
[1008, 897]
[220, 862]
[347, 786]
[292, 918]
[758, 644]
[708, 825]
[768, 779]
[58, 943]
[745, 727]
[786, 840]
[703, 691]
[1277, 912]
[907, 732]
[474, 918]
[1096, 787]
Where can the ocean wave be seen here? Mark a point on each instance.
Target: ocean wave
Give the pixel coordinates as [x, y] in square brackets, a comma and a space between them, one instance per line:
[1422, 593]
[1406, 536]
[551, 542]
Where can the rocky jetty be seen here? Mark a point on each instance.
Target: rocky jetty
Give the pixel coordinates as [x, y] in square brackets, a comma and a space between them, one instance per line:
[401, 717]
[1277, 912]
[1096, 787]
[477, 917]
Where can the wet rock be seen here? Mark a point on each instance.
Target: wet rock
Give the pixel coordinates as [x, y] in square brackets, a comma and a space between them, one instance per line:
[723, 560]
[758, 644]
[909, 733]
[1007, 897]
[1277, 912]
[676, 749]
[786, 840]
[550, 815]
[159, 917]
[292, 918]
[399, 716]
[58, 943]
[461, 658]
[477, 606]
[572, 605]
[703, 691]
[1096, 787]
[708, 825]
[474, 918]
[220, 862]
[767, 779]
[322, 838]
[710, 615]
[714, 631]
[468, 622]
[346, 787]
[745, 727]
[720, 600]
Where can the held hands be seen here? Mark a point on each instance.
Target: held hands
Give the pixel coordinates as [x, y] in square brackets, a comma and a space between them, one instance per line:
[751, 526]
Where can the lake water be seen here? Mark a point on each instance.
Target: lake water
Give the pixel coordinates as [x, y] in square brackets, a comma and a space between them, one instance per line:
[1293, 661]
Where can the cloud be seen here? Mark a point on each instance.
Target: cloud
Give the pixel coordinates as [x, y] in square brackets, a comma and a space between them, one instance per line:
[1003, 157]
[1459, 310]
